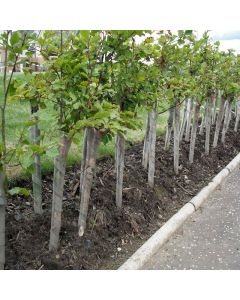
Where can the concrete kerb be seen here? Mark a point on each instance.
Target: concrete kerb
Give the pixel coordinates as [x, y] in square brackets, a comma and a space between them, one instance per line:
[150, 247]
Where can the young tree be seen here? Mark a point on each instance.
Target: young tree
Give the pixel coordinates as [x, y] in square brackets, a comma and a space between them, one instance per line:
[77, 68]
[203, 69]
[14, 44]
[172, 82]
[179, 83]
[127, 76]
[33, 88]
[228, 83]
[209, 74]
[53, 47]
[104, 50]
[154, 87]
[231, 89]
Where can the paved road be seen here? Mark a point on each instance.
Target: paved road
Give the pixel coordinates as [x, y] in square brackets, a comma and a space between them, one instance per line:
[210, 239]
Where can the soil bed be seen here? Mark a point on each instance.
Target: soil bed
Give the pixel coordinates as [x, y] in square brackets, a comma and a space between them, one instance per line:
[111, 235]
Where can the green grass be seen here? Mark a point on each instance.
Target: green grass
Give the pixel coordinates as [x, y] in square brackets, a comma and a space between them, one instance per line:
[19, 112]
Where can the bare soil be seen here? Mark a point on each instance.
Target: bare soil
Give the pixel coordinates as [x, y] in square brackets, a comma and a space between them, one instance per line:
[111, 235]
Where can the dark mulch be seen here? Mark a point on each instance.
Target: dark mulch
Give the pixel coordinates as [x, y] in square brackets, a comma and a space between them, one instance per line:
[111, 235]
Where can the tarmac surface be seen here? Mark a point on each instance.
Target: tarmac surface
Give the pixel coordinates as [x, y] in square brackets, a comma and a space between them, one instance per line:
[210, 238]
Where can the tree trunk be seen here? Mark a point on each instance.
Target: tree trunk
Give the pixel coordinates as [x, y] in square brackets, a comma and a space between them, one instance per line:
[152, 146]
[194, 132]
[203, 121]
[219, 122]
[213, 110]
[2, 220]
[89, 162]
[229, 116]
[37, 176]
[184, 121]
[217, 107]
[176, 138]
[237, 116]
[225, 122]
[169, 129]
[208, 126]
[58, 188]
[202, 124]
[189, 117]
[83, 160]
[224, 110]
[146, 143]
[120, 149]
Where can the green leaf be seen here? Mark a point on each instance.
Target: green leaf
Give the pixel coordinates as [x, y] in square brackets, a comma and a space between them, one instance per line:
[42, 105]
[85, 35]
[76, 105]
[36, 149]
[15, 38]
[149, 40]
[73, 96]
[102, 115]
[12, 88]
[19, 191]
[30, 123]
[26, 160]
[53, 152]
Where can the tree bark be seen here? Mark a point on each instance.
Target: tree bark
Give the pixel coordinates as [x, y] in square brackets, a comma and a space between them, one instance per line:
[58, 188]
[237, 116]
[213, 110]
[2, 220]
[169, 129]
[89, 164]
[218, 122]
[184, 121]
[37, 176]
[225, 122]
[120, 150]
[189, 117]
[229, 116]
[176, 138]
[194, 132]
[208, 127]
[146, 143]
[203, 120]
[202, 125]
[83, 160]
[152, 147]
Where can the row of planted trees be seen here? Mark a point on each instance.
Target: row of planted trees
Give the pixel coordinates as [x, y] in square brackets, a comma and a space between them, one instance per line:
[95, 82]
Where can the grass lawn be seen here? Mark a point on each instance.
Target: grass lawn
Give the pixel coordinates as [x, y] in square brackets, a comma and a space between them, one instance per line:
[19, 112]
